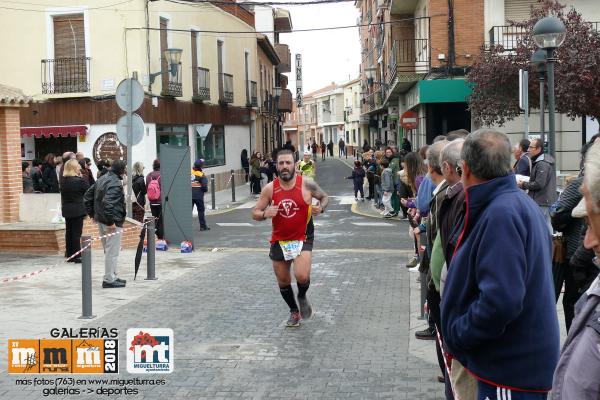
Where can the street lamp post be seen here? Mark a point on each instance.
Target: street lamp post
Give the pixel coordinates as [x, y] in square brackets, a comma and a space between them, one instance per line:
[538, 59]
[549, 34]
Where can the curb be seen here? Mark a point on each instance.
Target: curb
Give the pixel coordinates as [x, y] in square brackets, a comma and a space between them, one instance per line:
[355, 210]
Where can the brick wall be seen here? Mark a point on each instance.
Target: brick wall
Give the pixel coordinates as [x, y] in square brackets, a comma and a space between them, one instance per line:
[130, 238]
[11, 183]
[468, 30]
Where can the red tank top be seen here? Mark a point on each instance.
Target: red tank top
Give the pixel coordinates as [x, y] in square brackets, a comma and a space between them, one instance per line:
[294, 214]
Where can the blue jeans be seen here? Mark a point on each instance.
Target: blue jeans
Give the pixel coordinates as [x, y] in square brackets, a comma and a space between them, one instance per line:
[378, 195]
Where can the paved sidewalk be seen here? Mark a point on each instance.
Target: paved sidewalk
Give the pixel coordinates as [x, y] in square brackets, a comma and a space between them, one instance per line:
[30, 307]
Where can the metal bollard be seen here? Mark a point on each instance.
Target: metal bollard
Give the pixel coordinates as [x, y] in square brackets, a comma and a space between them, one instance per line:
[86, 279]
[233, 186]
[212, 190]
[346, 153]
[151, 248]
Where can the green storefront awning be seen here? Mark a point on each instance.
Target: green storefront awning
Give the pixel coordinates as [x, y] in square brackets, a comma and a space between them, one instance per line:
[444, 91]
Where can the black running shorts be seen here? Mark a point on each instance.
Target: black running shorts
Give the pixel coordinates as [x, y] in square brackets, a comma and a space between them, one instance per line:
[276, 254]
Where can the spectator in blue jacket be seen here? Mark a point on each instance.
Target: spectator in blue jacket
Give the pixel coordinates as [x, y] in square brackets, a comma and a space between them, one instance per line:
[498, 312]
[522, 164]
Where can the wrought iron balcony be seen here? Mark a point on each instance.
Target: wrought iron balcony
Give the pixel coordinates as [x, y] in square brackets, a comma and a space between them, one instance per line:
[225, 88]
[202, 89]
[251, 94]
[66, 75]
[172, 86]
[507, 36]
[409, 57]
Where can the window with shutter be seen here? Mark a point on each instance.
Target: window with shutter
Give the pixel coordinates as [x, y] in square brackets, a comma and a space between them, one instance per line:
[70, 62]
[518, 10]
[164, 66]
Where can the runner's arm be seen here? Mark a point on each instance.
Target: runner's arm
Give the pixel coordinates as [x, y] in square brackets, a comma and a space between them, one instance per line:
[318, 194]
[258, 214]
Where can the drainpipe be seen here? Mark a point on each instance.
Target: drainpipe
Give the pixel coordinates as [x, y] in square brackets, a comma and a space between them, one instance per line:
[451, 47]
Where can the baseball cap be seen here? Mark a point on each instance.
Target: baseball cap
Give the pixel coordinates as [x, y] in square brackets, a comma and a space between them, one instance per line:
[199, 163]
[579, 211]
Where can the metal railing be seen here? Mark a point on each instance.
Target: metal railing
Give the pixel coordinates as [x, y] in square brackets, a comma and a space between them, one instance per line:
[173, 88]
[202, 91]
[507, 36]
[66, 75]
[251, 94]
[226, 96]
[409, 56]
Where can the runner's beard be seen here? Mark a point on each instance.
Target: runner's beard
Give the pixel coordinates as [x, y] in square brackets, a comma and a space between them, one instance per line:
[288, 177]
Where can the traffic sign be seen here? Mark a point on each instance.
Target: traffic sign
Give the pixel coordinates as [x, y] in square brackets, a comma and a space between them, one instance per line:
[409, 120]
[137, 129]
[129, 95]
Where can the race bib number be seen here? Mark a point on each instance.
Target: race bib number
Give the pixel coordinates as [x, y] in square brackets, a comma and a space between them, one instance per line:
[290, 248]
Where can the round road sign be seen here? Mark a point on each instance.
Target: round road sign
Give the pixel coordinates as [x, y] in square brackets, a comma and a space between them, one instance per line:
[137, 126]
[129, 95]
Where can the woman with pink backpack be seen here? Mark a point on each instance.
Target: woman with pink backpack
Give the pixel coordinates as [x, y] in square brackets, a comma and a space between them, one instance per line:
[153, 192]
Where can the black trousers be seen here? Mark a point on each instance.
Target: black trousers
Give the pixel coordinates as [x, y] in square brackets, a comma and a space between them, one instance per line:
[200, 207]
[156, 210]
[433, 301]
[255, 184]
[371, 180]
[74, 227]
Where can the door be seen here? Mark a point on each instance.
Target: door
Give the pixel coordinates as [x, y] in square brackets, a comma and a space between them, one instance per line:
[70, 65]
[176, 193]
[220, 67]
[164, 65]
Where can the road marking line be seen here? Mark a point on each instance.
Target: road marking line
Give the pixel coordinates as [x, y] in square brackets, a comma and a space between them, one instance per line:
[249, 204]
[234, 224]
[372, 224]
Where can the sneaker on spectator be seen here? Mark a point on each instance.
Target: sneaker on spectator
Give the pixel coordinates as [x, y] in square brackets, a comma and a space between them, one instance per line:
[412, 263]
[426, 334]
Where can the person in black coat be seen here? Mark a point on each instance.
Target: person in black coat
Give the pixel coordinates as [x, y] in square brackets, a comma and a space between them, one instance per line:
[138, 185]
[245, 163]
[49, 177]
[36, 176]
[73, 210]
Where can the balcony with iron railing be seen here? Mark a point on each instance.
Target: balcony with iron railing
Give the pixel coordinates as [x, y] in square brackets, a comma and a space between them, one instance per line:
[509, 36]
[66, 75]
[225, 88]
[251, 94]
[371, 102]
[409, 59]
[202, 89]
[172, 86]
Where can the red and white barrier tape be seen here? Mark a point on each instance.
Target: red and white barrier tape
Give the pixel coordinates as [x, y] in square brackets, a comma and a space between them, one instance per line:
[35, 273]
[444, 356]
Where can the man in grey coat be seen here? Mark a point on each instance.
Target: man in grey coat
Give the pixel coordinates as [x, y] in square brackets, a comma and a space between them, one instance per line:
[542, 183]
[577, 375]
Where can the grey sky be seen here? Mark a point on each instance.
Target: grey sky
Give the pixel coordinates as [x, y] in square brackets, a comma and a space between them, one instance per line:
[327, 56]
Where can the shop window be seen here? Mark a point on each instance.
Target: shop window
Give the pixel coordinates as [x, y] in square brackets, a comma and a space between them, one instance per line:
[212, 147]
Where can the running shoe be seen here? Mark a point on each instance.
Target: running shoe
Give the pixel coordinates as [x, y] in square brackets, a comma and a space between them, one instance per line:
[294, 320]
[388, 215]
[305, 307]
[412, 263]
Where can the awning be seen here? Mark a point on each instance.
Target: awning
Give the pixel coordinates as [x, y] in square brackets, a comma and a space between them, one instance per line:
[55, 131]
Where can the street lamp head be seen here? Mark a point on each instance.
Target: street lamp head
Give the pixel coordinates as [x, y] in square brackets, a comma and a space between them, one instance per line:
[277, 91]
[549, 33]
[538, 59]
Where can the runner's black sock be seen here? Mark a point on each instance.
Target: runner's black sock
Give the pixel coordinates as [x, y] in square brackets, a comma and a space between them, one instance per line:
[303, 288]
[288, 295]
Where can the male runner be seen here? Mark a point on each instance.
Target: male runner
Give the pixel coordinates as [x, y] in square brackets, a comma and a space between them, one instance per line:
[288, 201]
